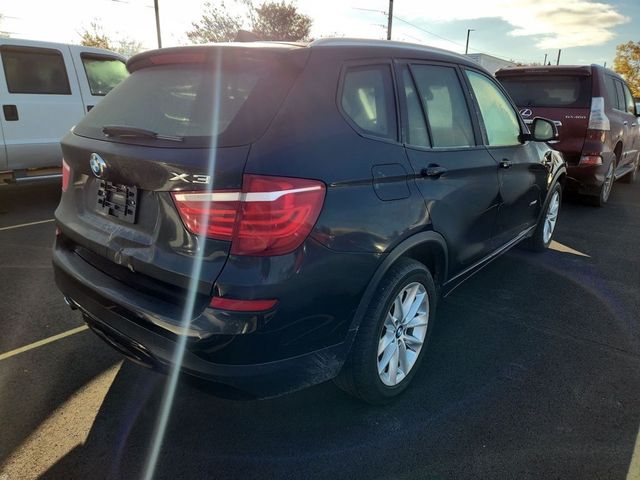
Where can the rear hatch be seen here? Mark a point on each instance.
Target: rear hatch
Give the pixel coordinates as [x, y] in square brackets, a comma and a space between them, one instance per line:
[560, 95]
[183, 120]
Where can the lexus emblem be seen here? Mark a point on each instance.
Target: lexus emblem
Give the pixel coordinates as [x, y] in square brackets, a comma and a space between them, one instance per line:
[97, 164]
[526, 112]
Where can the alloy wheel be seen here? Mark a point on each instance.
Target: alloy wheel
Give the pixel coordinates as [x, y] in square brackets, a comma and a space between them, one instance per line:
[551, 217]
[403, 334]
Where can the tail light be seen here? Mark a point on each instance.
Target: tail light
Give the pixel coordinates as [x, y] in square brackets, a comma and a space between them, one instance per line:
[590, 160]
[598, 120]
[269, 216]
[66, 174]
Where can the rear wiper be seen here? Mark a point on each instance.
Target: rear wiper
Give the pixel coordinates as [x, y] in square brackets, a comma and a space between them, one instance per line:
[123, 131]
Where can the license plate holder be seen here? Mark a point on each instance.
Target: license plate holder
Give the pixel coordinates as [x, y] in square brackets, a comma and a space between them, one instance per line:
[116, 200]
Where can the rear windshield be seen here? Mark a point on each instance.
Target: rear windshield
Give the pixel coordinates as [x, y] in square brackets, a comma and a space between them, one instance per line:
[570, 91]
[231, 100]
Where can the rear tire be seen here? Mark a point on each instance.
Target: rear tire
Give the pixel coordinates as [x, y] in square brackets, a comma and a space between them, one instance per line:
[543, 234]
[605, 191]
[384, 338]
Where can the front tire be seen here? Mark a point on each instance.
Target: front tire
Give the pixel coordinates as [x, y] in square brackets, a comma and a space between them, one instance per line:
[543, 234]
[393, 335]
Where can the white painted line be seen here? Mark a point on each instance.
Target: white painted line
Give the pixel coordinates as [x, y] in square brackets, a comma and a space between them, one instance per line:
[40, 343]
[26, 224]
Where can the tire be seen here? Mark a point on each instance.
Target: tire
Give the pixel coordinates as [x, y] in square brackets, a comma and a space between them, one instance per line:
[541, 238]
[360, 375]
[605, 192]
[633, 174]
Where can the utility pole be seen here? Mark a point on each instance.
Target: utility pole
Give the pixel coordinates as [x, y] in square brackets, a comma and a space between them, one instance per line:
[157, 9]
[558, 59]
[545, 59]
[466, 48]
[390, 22]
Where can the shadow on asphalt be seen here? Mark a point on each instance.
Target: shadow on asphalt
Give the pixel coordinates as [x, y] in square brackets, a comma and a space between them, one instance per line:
[519, 382]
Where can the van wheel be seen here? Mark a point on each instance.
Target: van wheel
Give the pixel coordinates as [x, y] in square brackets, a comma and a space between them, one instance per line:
[543, 234]
[601, 199]
[633, 174]
[393, 335]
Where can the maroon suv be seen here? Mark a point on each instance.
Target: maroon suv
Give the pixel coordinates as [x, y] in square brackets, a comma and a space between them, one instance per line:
[596, 118]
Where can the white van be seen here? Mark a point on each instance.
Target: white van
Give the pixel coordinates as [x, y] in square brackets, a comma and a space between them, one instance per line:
[45, 88]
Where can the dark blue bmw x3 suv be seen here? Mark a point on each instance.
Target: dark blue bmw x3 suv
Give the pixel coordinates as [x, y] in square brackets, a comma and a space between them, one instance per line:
[292, 213]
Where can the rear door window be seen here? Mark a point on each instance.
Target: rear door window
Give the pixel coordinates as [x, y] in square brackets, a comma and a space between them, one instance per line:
[416, 126]
[620, 92]
[34, 70]
[103, 73]
[445, 105]
[569, 91]
[368, 100]
[500, 119]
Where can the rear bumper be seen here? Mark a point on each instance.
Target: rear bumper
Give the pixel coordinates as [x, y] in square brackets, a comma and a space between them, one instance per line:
[586, 180]
[123, 319]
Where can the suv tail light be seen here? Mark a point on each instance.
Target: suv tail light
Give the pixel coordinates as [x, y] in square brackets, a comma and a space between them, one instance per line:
[269, 216]
[591, 160]
[66, 174]
[598, 120]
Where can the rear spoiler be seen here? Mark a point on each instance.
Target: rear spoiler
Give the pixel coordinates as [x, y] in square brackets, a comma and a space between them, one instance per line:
[554, 70]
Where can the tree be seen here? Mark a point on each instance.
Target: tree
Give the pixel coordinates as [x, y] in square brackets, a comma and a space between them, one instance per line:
[281, 21]
[94, 36]
[272, 20]
[215, 25]
[627, 64]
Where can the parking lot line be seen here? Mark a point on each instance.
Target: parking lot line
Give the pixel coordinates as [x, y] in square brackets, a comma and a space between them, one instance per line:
[39, 343]
[26, 224]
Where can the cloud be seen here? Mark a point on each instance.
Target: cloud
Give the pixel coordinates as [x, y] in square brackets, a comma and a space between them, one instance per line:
[552, 23]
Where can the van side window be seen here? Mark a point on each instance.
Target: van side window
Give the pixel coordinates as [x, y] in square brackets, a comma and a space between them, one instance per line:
[630, 103]
[500, 119]
[416, 133]
[103, 73]
[368, 100]
[445, 105]
[34, 70]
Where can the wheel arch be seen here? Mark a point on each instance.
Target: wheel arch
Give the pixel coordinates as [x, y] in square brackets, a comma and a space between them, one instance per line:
[429, 248]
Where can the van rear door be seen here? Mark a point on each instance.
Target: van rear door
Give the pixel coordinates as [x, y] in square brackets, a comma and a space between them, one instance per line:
[40, 102]
[562, 96]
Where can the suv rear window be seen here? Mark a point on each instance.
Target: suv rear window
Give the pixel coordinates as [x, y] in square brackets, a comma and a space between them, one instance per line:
[233, 101]
[573, 91]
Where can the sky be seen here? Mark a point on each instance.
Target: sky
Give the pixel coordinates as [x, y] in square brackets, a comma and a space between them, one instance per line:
[587, 31]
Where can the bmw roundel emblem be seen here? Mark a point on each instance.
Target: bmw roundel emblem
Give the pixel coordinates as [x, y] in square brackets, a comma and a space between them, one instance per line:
[97, 164]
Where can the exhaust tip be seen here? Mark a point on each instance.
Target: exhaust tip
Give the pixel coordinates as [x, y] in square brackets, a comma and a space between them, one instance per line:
[71, 303]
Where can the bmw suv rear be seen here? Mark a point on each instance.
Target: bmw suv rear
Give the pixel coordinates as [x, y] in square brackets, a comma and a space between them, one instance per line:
[599, 132]
[292, 213]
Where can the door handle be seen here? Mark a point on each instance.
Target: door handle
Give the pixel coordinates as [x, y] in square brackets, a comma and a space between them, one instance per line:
[633, 124]
[10, 112]
[433, 171]
[625, 123]
[505, 163]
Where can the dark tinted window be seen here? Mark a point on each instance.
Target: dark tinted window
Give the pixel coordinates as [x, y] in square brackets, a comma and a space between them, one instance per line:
[572, 91]
[444, 102]
[103, 73]
[620, 92]
[368, 100]
[416, 126]
[34, 70]
[612, 94]
[234, 102]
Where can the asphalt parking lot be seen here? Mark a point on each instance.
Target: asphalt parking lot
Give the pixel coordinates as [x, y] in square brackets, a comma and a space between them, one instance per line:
[533, 372]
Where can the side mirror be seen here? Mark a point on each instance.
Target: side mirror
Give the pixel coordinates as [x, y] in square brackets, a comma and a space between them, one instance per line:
[543, 130]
